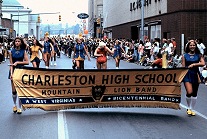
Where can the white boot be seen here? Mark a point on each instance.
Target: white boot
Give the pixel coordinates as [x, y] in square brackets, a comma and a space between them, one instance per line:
[193, 102]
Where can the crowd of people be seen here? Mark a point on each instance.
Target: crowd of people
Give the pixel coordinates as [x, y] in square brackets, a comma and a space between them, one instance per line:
[21, 51]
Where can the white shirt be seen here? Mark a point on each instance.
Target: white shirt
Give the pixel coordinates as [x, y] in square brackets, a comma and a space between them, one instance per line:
[156, 49]
[148, 45]
[201, 47]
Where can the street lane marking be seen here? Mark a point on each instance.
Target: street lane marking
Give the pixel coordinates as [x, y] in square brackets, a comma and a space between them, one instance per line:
[62, 126]
[197, 113]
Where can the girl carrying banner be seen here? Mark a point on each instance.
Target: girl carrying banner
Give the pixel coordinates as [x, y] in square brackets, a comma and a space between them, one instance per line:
[192, 59]
[79, 54]
[18, 58]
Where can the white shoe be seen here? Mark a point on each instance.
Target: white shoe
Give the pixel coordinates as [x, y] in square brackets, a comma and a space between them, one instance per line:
[117, 67]
[206, 83]
[51, 64]
[46, 67]
[55, 64]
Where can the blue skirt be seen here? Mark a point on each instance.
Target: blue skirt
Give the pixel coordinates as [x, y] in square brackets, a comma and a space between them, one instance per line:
[192, 77]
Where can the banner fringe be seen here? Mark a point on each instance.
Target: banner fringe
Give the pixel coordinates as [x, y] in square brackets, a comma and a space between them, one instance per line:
[57, 108]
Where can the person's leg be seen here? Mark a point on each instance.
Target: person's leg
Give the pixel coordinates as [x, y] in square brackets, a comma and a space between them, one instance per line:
[117, 63]
[98, 65]
[104, 65]
[194, 98]
[55, 58]
[189, 91]
[34, 64]
[14, 97]
[78, 64]
[82, 64]
[47, 60]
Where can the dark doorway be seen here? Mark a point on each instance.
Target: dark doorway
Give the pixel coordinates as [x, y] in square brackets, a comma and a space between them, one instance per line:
[134, 32]
[166, 35]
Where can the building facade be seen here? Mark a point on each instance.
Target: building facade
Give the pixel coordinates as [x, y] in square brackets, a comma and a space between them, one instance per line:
[179, 19]
[95, 11]
[18, 20]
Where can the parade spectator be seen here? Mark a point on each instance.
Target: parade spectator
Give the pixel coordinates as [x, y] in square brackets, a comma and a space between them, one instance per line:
[201, 46]
[18, 58]
[79, 54]
[148, 47]
[192, 59]
[34, 51]
[1, 53]
[155, 50]
[101, 54]
[157, 63]
[130, 55]
[174, 48]
[140, 49]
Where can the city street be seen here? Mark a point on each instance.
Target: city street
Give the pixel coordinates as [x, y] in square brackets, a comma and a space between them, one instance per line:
[100, 123]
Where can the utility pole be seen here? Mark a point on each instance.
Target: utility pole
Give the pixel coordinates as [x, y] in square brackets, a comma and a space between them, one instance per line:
[100, 26]
[142, 21]
[11, 27]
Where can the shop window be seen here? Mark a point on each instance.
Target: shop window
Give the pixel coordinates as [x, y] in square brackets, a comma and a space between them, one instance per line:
[100, 10]
[32, 31]
[155, 32]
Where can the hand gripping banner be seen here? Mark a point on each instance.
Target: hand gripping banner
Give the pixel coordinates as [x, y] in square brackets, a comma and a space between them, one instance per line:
[56, 89]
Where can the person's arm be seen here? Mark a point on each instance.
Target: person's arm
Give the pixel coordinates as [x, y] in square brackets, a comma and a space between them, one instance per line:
[86, 50]
[123, 50]
[11, 64]
[52, 53]
[96, 52]
[52, 47]
[40, 49]
[109, 51]
[201, 63]
[74, 51]
[25, 42]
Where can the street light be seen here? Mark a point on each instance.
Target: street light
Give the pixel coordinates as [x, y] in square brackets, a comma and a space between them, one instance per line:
[38, 19]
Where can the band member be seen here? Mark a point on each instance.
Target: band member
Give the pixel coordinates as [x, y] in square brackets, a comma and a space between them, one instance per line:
[79, 54]
[48, 51]
[56, 50]
[192, 59]
[117, 52]
[34, 51]
[101, 54]
[18, 57]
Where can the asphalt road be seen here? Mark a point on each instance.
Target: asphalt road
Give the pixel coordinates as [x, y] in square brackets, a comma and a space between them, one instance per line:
[100, 123]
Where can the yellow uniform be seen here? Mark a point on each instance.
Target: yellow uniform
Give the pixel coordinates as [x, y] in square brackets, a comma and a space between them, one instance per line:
[35, 52]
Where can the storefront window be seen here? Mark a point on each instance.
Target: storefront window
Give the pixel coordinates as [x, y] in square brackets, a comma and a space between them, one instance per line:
[155, 32]
[145, 32]
[100, 10]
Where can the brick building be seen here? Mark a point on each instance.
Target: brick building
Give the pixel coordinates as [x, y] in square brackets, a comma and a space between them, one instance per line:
[162, 19]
